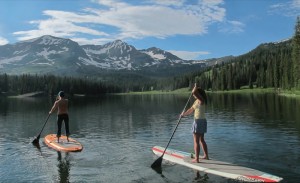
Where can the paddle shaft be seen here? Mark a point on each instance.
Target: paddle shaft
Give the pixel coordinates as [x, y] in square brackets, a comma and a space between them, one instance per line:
[177, 124]
[37, 138]
[44, 124]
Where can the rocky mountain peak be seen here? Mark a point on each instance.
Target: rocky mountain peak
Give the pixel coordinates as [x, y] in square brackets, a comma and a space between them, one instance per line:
[47, 53]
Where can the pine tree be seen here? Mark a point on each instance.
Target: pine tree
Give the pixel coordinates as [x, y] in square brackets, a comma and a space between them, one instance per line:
[296, 55]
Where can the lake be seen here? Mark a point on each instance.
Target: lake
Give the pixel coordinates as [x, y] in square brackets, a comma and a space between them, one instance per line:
[260, 131]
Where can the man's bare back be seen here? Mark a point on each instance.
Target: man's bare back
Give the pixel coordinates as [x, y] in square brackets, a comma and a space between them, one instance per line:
[61, 105]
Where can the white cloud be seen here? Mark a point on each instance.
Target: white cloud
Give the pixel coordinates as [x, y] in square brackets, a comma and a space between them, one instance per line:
[62, 24]
[85, 41]
[168, 2]
[161, 19]
[287, 8]
[3, 41]
[296, 3]
[189, 55]
[231, 27]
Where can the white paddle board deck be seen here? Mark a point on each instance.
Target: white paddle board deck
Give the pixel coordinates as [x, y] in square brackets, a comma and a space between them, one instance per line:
[219, 168]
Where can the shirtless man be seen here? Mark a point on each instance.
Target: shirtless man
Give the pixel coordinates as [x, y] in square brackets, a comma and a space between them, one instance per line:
[62, 114]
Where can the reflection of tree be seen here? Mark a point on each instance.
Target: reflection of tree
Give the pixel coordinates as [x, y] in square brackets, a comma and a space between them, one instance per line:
[63, 167]
[3, 106]
[263, 106]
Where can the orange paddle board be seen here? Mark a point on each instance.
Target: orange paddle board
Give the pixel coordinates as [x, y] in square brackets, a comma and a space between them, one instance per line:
[63, 144]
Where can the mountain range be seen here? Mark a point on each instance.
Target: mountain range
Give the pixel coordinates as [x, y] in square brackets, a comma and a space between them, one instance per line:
[59, 56]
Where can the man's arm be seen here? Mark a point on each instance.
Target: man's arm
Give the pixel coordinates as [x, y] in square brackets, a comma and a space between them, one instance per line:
[54, 107]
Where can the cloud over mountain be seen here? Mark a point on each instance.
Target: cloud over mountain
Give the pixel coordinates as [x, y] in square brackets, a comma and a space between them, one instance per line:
[129, 21]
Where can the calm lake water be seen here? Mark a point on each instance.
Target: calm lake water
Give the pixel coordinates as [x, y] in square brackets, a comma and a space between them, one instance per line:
[118, 132]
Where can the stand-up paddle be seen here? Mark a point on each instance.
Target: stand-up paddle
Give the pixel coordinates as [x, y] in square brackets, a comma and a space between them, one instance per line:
[36, 140]
[157, 163]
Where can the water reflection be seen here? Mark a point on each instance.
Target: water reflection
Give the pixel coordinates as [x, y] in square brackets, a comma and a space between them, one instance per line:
[261, 106]
[201, 178]
[3, 106]
[64, 167]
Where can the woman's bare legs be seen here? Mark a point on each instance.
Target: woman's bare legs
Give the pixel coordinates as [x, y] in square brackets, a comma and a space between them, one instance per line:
[199, 139]
[196, 147]
[204, 147]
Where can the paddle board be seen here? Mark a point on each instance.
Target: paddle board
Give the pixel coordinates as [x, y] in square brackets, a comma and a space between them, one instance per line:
[219, 168]
[64, 145]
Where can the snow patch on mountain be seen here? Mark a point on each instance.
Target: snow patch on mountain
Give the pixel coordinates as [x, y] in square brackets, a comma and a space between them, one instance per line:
[89, 62]
[48, 64]
[92, 51]
[45, 53]
[18, 52]
[11, 60]
[49, 40]
[155, 56]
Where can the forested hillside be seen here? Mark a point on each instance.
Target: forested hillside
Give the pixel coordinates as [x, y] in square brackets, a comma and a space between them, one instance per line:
[269, 65]
[275, 65]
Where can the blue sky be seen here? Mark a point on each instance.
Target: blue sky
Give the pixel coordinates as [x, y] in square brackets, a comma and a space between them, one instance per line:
[190, 29]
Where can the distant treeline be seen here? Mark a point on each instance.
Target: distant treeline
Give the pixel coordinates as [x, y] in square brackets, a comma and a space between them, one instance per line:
[49, 84]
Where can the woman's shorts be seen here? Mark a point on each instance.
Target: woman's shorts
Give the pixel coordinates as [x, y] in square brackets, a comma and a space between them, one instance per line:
[199, 126]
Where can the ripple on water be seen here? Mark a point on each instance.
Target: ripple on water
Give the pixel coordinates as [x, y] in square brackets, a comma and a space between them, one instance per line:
[22, 162]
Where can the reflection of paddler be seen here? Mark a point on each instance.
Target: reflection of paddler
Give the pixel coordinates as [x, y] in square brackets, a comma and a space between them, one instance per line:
[64, 167]
[61, 104]
[200, 178]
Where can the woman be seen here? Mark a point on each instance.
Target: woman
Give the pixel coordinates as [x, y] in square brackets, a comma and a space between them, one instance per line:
[199, 127]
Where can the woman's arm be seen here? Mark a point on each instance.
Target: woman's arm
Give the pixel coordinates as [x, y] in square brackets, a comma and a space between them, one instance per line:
[188, 112]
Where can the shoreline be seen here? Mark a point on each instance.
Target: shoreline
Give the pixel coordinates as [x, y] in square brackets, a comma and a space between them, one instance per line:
[286, 93]
[26, 95]
[184, 91]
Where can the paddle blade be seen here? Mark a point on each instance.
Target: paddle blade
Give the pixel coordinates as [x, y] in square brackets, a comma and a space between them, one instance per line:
[36, 140]
[37, 145]
[158, 170]
[157, 163]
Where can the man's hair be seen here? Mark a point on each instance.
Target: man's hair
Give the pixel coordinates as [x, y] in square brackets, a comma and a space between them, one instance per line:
[61, 94]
